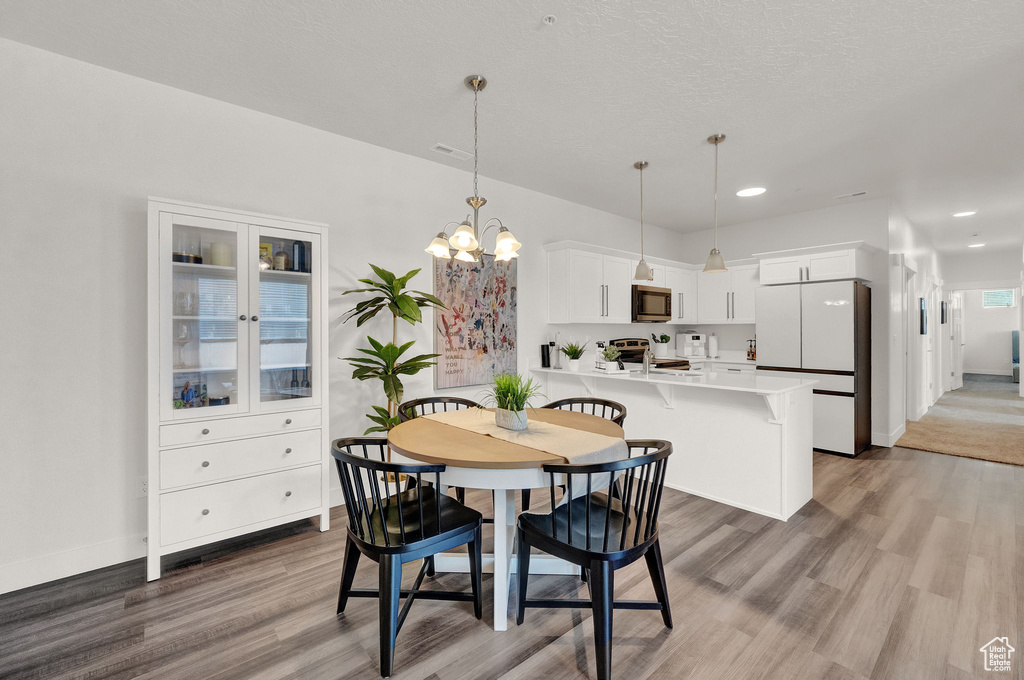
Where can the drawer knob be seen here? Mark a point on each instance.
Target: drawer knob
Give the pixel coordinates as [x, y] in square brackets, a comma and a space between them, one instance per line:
[206, 430]
[242, 317]
[255, 318]
[287, 493]
[288, 421]
[206, 463]
[288, 450]
[206, 511]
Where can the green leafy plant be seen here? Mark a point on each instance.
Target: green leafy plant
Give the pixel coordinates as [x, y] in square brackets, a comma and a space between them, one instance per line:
[388, 292]
[512, 392]
[573, 351]
[611, 353]
[661, 339]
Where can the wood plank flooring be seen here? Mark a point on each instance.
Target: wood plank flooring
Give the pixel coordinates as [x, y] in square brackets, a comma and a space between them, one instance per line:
[902, 566]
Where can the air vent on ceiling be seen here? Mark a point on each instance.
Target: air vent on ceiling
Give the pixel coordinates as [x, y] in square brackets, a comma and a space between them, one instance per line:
[855, 194]
[451, 152]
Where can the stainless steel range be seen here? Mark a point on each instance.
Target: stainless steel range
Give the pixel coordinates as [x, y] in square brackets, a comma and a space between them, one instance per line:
[632, 352]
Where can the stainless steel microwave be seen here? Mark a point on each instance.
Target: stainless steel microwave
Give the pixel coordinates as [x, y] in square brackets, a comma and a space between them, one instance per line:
[652, 304]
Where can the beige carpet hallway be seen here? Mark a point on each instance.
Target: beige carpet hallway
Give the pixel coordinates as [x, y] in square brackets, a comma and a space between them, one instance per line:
[983, 419]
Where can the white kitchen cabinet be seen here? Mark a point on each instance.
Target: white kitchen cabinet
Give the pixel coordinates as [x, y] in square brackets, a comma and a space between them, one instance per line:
[588, 287]
[237, 375]
[618, 290]
[828, 265]
[727, 297]
[683, 283]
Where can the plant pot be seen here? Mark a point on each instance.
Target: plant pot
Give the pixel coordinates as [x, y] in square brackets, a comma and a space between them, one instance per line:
[661, 350]
[574, 365]
[510, 420]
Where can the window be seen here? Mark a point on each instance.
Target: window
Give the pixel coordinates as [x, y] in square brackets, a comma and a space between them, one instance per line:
[998, 298]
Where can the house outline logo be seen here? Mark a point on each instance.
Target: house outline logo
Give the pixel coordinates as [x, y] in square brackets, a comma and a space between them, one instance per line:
[998, 654]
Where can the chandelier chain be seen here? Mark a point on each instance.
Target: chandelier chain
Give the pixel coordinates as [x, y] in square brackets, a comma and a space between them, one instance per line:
[476, 140]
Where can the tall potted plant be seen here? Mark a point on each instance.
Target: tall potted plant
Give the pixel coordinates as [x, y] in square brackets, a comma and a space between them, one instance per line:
[381, 361]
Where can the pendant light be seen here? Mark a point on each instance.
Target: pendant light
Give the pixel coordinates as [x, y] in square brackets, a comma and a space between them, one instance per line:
[643, 270]
[715, 263]
[467, 237]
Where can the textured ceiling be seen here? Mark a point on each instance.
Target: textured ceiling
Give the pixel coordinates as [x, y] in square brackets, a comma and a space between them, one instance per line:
[920, 100]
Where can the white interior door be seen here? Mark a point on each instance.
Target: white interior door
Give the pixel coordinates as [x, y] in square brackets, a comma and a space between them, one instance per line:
[827, 332]
[957, 340]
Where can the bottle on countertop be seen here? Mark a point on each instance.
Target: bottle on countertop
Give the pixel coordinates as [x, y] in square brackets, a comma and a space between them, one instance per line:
[713, 346]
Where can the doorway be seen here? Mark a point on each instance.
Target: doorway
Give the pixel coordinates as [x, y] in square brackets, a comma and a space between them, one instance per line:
[981, 415]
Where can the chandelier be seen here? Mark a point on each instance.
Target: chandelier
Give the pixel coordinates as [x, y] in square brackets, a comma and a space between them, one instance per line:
[467, 239]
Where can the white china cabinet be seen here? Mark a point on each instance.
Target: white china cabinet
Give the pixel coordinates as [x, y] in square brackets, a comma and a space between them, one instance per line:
[238, 437]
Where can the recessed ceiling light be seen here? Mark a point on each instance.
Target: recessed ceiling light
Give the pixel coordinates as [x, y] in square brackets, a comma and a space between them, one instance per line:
[752, 191]
[976, 245]
[966, 213]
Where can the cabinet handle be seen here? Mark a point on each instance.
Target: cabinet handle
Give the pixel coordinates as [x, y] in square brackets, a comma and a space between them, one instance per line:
[288, 421]
[242, 317]
[733, 370]
[206, 430]
[255, 318]
[206, 511]
[607, 301]
[287, 493]
[288, 450]
[206, 463]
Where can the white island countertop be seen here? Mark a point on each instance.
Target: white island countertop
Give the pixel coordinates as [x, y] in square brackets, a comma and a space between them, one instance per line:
[750, 381]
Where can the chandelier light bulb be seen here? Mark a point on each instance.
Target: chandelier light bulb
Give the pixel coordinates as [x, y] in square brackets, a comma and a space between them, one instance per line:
[506, 242]
[464, 238]
[464, 256]
[439, 247]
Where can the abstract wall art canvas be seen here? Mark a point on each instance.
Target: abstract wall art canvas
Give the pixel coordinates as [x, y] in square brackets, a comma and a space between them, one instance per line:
[476, 332]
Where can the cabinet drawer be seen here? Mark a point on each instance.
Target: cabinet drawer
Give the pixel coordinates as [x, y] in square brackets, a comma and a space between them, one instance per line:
[214, 508]
[204, 431]
[834, 423]
[214, 462]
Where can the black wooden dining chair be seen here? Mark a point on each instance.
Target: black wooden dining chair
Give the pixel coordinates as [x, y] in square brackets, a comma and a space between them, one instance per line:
[605, 408]
[601, 533]
[414, 408]
[399, 526]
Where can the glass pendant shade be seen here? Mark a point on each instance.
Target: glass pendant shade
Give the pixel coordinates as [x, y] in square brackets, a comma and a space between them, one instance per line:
[464, 256]
[464, 238]
[643, 272]
[506, 242]
[715, 263]
[439, 247]
[505, 257]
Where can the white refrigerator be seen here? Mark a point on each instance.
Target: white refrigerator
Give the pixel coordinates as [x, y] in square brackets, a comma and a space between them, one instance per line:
[822, 331]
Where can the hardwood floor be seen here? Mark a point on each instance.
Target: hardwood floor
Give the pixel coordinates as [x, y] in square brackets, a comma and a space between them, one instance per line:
[902, 566]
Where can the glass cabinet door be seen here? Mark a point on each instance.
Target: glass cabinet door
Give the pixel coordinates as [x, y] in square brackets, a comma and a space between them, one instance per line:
[287, 297]
[203, 331]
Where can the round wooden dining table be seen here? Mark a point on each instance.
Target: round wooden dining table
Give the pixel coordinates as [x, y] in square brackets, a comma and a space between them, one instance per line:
[479, 461]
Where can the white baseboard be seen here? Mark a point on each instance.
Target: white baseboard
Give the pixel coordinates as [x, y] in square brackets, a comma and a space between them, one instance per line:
[998, 371]
[741, 506]
[32, 572]
[890, 439]
[919, 414]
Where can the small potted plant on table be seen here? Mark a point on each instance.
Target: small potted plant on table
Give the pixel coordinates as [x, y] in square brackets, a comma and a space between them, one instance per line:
[575, 353]
[661, 345]
[511, 394]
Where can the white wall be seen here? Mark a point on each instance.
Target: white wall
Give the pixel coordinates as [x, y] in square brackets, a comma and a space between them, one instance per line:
[866, 221]
[914, 378]
[83, 147]
[987, 335]
[982, 268]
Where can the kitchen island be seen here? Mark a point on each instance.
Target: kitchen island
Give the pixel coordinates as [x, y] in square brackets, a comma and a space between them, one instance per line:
[743, 439]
